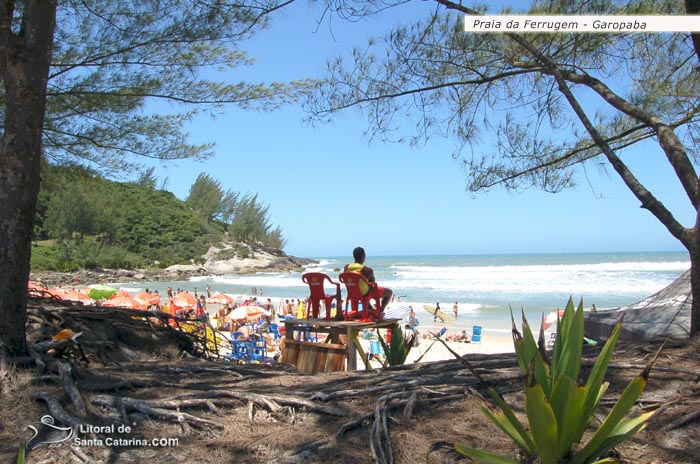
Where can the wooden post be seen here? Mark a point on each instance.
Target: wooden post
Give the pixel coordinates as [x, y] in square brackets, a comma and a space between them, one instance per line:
[352, 350]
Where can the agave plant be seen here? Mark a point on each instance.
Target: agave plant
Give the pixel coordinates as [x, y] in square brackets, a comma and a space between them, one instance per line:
[558, 406]
[396, 352]
[21, 454]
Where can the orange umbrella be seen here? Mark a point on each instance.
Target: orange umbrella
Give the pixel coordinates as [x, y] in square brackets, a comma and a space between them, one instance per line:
[147, 299]
[37, 290]
[124, 300]
[250, 313]
[220, 298]
[183, 300]
[72, 295]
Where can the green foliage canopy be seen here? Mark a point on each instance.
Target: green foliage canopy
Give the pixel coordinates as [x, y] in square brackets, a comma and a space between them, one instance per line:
[452, 83]
[127, 76]
[93, 222]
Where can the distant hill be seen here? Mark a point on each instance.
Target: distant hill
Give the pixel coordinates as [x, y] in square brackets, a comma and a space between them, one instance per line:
[87, 222]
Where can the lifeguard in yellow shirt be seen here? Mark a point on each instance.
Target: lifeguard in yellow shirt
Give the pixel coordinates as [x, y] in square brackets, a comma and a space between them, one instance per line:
[359, 266]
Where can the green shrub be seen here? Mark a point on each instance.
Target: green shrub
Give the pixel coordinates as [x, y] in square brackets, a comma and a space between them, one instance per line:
[396, 352]
[558, 406]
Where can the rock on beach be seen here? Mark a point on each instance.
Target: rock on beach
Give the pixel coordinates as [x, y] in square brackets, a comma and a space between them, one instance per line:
[214, 262]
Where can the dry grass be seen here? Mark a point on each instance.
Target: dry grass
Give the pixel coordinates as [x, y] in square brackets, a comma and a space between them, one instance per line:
[252, 434]
[16, 387]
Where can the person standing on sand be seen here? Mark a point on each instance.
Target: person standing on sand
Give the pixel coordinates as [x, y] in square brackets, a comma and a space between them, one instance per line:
[437, 308]
[359, 266]
[455, 309]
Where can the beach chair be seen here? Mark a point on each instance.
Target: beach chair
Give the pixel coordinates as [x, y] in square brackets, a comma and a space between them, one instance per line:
[317, 293]
[256, 350]
[305, 334]
[238, 351]
[476, 334]
[274, 329]
[375, 349]
[357, 302]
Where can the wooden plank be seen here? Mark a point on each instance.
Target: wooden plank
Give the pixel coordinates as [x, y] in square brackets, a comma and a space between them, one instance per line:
[320, 361]
[338, 363]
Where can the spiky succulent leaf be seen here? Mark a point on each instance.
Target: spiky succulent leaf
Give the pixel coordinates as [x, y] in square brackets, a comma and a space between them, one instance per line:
[626, 429]
[483, 456]
[595, 385]
[543, 423]
[567, 402]
[506, 421]
[568, 346]
[629, 397]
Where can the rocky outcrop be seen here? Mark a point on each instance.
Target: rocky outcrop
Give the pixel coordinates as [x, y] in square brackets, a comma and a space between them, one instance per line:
[227, 258]
[237, 258]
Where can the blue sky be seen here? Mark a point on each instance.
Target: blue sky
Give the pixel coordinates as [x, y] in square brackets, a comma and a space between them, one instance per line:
[330, 189]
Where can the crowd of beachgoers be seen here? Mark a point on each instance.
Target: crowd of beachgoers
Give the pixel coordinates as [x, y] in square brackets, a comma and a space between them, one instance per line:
[247, 318]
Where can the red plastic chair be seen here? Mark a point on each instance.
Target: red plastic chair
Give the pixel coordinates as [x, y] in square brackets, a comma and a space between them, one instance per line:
[316, 281]
[355, 298]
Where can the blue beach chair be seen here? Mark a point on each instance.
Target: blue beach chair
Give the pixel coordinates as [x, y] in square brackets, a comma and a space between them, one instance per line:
[256, 350]
[238, 351]
[476, 334]
[375, 349]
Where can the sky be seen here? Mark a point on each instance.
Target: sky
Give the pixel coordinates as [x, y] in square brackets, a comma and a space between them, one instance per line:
[331, 189]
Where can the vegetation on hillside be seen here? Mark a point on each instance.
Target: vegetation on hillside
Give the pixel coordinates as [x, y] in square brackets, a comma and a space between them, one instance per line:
[84, 221]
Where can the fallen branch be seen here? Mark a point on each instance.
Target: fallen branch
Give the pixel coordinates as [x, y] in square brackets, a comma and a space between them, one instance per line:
[56, 410]
[65, 373]
[141, 406]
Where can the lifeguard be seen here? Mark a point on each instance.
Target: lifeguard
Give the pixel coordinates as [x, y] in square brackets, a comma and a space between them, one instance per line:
[359, 266]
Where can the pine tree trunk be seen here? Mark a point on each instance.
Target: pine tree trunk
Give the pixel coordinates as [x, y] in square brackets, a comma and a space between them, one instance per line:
[695, 291]
[25, 57]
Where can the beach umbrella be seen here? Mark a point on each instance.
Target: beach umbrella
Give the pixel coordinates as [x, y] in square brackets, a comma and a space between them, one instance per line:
[66, 294]
[124, 300]
[37, 290]
[551, 318]
[183, 300]
[147, 299]
[98, 292]
[249, 313]
[220, 298]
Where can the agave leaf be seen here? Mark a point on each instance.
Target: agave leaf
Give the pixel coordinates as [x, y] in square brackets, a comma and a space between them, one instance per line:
[562, 334]
[519, 345]
[543, 424]
[616, 428]
[567, 402]
[21, 455]
[595, 385]
[627, 400]
[532, 353]
[506, 421]
[483, 456]
[627, 428]
[567, 360]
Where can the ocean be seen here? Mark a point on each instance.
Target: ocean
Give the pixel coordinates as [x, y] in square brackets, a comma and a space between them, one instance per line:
[484, 286]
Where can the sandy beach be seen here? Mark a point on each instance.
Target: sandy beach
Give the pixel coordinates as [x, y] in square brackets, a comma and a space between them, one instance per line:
[430, 350]
[493, 340]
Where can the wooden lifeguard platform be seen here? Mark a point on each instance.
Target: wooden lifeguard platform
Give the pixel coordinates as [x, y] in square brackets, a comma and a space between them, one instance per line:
[335, 347]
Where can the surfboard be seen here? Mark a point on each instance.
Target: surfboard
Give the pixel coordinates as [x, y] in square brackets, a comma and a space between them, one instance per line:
[436, 312]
